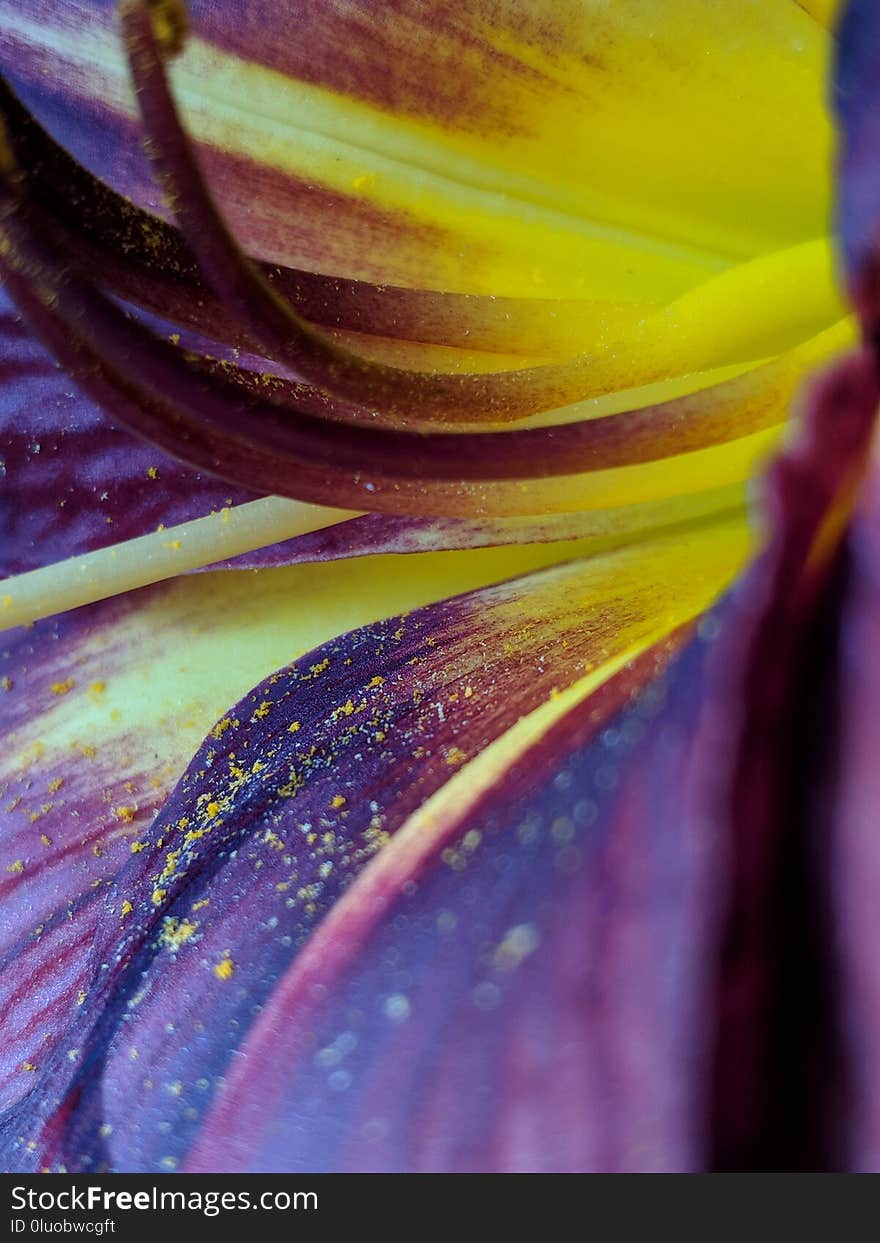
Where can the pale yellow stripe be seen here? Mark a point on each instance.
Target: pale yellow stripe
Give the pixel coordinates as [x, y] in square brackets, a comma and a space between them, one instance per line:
[158, 556]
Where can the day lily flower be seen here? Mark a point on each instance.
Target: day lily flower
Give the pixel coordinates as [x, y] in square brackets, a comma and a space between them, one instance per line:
[382, 786]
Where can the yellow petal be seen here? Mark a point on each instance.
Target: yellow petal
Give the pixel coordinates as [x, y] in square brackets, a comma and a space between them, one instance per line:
[579, 149]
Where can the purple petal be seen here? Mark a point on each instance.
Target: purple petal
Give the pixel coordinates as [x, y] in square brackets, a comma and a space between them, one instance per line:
[597, 962]
[854, 863]
[70, 811]
[857, 100]
[72, 482]
[374, 534]
[291, 795]
[521, 991]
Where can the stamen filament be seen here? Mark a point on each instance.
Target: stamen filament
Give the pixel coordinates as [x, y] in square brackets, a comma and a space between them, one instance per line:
[390, 393]
[146, 261]
[160, 555]
[202, 420]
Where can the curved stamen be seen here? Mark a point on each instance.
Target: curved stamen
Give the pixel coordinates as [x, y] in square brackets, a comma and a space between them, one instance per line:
[202, 419]
[392, 393]
[198, 416]
[146, 260]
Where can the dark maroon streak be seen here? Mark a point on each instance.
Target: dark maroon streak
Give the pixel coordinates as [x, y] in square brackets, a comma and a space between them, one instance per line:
[133, 406]
[203, 420]
[284, 335]
[146, 260]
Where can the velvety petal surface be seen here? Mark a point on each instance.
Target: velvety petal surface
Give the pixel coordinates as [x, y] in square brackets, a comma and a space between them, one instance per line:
[588, 953]
[513, 984]
[315, 745]
[71, 481]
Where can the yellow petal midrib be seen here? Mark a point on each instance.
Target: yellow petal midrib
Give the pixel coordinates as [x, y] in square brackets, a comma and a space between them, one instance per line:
[201, 88]
[203, 78]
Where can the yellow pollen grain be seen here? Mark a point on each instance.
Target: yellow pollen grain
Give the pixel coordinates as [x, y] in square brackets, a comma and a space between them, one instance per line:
[55, 784]
[224, 969]
[159, 896]
[97, 688]
[124, 813]
[47, 841]
[177, 932]
[16, 868]
[125, 909]
[61, 688]
[81, 997]
[338, 800]
[455, 756]
[29, 1066]
[212, 809]
[152, 473]
[170, 864]
[137, 847]
[294, 727]
[173, 544]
